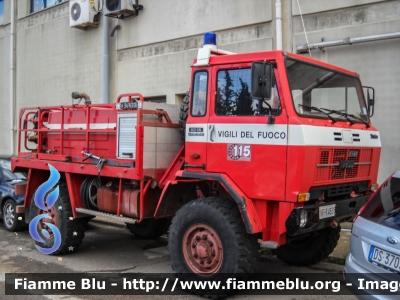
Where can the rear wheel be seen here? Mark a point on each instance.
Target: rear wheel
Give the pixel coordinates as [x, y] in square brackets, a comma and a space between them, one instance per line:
[150, 229]
[72, 231]
[207, 238]
[10, 217]
[310, 250]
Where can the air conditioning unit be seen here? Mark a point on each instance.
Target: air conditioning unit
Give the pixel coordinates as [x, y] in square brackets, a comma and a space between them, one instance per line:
[84, 13]
[121, 8]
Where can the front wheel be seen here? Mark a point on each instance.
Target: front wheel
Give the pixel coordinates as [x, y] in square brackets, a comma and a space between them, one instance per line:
[310, 250]
[207, 237]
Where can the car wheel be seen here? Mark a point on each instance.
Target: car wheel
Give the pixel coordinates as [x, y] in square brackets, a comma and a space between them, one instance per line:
[10, 217]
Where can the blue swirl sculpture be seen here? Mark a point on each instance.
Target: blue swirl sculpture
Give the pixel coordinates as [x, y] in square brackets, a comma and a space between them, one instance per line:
[39, 201]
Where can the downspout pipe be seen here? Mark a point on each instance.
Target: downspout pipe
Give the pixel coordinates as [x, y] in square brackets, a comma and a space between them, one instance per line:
[12, 75]
[278, 24]
[105, 64]
[347, 41]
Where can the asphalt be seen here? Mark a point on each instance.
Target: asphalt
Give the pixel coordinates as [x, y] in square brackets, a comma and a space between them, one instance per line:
[343, 247]
[110, 248]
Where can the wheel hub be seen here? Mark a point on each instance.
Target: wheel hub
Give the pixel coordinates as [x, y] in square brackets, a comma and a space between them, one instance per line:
[92, 192]
[202, 249]
[52, 212]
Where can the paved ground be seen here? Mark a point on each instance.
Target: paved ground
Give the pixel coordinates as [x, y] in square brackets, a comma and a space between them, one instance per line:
[343, 247]
[112, 248]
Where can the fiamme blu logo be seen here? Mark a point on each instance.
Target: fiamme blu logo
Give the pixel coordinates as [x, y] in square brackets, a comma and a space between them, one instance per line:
[44, 204]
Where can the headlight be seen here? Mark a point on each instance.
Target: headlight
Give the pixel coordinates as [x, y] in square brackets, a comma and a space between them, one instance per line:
[303, 218]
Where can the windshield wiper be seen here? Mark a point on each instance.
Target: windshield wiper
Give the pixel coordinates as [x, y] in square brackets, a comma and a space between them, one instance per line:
[359, 119]
[319, 110]
[346, 115]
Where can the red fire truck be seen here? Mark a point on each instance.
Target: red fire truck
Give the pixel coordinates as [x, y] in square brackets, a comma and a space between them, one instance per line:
[268, 148]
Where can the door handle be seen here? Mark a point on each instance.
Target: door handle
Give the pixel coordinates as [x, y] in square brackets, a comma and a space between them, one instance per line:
[211, 130]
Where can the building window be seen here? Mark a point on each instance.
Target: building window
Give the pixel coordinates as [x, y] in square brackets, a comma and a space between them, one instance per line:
[158, 99]
[37, 5]
[1, 12]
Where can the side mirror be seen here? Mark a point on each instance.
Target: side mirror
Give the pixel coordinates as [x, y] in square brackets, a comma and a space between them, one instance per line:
[370, 99]
[261, 80]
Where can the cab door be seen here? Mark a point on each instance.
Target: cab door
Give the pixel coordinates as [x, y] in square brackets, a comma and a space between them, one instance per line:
[197, 120]
[240, 143]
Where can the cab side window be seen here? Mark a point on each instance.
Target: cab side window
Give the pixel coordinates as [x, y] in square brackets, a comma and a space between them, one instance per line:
[199, 96]
[233, 95]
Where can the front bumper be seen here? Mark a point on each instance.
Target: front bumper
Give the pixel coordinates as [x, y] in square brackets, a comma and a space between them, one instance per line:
[345, 210]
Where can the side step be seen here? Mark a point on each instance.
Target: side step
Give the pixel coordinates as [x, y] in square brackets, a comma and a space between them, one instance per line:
[106, 215]
[269, 244]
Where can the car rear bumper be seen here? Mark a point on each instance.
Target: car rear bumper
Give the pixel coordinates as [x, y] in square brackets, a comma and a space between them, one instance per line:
[357, 276]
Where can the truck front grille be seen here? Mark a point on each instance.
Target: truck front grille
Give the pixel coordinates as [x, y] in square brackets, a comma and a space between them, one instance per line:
[328, 164]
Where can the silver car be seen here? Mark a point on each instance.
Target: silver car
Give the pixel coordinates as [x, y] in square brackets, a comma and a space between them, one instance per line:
[373, 264]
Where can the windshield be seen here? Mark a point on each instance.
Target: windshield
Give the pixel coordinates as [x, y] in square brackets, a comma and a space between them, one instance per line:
[324, 93]
[6, 164]
[8, 175]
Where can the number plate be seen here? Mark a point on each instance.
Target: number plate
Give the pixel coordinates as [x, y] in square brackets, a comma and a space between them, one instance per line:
[327, 211]
[128, 105]
[384, 258]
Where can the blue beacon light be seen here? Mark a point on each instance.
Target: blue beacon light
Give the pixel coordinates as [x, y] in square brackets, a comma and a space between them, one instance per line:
[210, 38]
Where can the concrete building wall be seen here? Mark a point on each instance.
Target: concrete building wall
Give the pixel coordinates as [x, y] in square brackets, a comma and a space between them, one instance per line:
[156, 49]
[378, 63]
[152, 53]
[54, 60]
[5, 126]
[163, 69]
[169, 20]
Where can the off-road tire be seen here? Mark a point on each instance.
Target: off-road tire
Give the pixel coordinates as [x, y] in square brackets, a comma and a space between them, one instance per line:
[239, 249]
[85, 189]
[150, 229]
[310, 250]
[72, 230]
[10, 217]
[183, 115]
